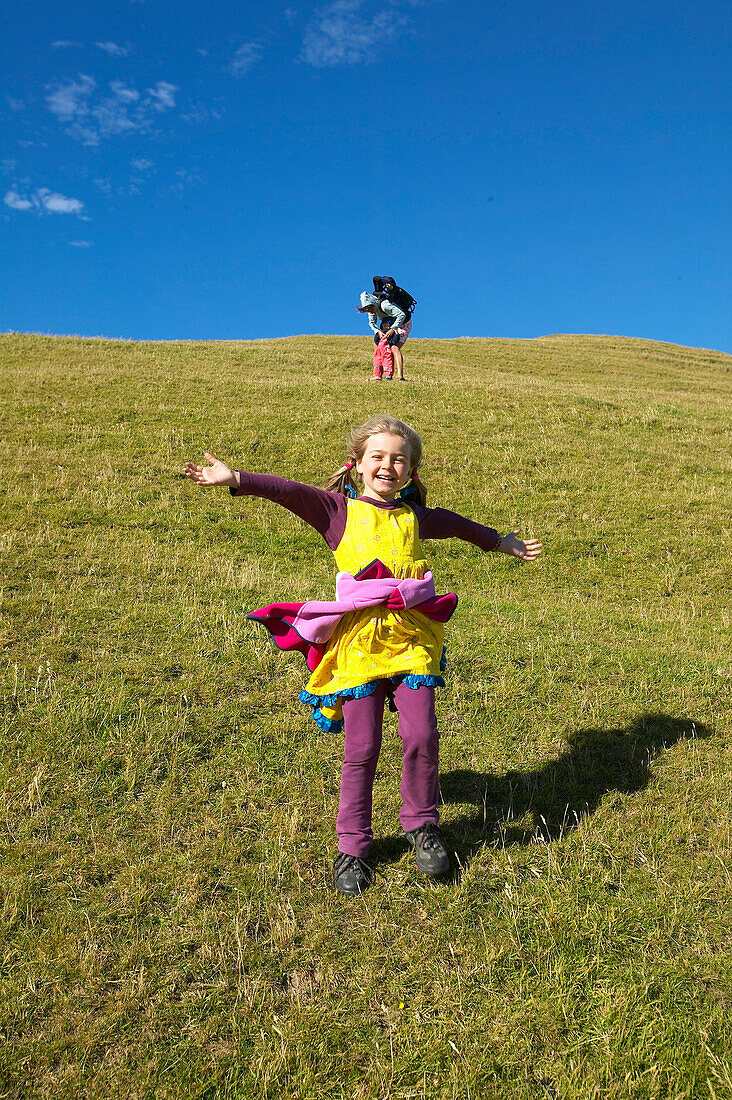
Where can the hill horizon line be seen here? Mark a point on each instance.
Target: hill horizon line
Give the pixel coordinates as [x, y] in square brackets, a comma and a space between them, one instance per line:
[564, 336]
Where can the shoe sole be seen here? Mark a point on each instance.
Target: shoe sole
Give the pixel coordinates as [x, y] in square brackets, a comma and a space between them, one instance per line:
[433, 873]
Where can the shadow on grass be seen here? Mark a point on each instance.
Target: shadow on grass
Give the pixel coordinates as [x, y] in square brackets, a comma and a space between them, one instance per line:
[521, 808]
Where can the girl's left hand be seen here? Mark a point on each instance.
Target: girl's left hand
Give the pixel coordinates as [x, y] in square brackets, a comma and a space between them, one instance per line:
[518, 548]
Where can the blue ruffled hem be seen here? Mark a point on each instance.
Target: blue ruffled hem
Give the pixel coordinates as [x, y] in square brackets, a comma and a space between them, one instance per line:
[330, 725]
[416, 681]
[358, 692]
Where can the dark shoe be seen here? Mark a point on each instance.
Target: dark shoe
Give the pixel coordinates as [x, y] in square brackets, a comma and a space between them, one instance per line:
[429, 849]
[351, 875]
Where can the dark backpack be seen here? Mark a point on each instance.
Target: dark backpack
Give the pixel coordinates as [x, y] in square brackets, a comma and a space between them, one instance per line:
[385, 287]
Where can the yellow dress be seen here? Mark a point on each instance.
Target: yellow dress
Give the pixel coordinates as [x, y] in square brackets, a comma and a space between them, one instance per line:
[376, 643]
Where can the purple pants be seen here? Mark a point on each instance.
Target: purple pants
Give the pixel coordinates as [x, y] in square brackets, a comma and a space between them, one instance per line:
[363, 720]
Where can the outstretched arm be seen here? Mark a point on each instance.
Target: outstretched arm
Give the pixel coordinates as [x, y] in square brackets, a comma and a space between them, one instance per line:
[527, 549]
[208, 477]
[439, 523]
[324, 511]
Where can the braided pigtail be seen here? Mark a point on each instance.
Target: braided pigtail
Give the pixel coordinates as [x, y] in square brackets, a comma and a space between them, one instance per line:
[420, 490]
[343, 480]
[415, 492]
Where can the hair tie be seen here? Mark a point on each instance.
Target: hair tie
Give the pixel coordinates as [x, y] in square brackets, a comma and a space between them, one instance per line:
[415, 476]
[348, 464]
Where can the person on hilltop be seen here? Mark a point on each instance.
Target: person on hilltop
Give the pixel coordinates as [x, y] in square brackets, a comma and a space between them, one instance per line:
[393, 304]
[382, 636]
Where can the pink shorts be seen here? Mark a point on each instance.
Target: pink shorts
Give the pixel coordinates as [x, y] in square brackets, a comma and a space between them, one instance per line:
[403, 334]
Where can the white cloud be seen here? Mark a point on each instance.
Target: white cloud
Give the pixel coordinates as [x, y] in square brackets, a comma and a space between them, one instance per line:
[58, 204]
[81, 244]
[142, 165]
[69, 100]
[64, 44]
[123, 93]
[341, 36]
[43, 200]
[126, 110]
[15, 104]
[245, 58]
[16, 202]
[113, 49]
[162, 96]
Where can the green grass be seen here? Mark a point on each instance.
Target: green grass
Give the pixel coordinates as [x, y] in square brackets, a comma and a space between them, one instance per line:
[169, 929]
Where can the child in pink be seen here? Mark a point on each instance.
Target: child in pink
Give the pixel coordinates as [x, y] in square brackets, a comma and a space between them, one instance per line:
[383, 356]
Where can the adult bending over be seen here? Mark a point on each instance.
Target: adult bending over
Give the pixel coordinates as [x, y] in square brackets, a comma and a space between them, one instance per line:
[396, 335]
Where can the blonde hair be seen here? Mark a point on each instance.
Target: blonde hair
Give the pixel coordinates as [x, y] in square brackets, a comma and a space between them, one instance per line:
[345, 478]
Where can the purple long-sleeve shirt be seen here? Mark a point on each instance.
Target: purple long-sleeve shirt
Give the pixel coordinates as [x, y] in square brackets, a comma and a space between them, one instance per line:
[326, 511]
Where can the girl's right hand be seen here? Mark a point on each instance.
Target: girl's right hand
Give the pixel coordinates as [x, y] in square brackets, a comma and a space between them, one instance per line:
[208, 477]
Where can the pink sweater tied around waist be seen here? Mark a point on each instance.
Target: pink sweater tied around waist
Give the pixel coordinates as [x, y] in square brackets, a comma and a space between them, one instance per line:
[308, 626]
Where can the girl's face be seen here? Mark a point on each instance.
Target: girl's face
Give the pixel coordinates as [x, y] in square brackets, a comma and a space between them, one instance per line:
[385, 467]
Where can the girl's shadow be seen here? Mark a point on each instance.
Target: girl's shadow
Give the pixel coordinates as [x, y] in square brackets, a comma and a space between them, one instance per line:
[521, 808]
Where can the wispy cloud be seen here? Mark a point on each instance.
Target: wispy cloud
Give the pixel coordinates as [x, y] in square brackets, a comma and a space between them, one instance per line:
[16, 201]
[162, 96]
[15, 104]
[91, 119]
[80, 244]
[44, 201]
[123, 93]
[343, 35]
[113, 49]
[64, 44]
[199, 112]
[69, 100]
[245, 58]
[140, 164]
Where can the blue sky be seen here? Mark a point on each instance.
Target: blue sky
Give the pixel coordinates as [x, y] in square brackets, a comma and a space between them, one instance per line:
[221, 171]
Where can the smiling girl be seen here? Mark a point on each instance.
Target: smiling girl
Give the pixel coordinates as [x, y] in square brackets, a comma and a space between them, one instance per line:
[382, 636]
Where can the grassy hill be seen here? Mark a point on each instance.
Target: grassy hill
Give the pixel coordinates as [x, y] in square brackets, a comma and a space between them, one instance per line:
[169, 929]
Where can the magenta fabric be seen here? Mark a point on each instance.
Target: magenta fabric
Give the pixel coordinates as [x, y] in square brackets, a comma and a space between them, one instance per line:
[278, 619]
[420, 737]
